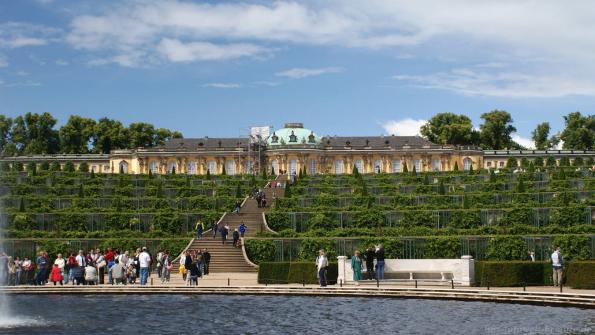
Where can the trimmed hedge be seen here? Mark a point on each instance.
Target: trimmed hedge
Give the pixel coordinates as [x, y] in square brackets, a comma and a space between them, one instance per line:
[581, 274]
[294, 272]
[512, 273]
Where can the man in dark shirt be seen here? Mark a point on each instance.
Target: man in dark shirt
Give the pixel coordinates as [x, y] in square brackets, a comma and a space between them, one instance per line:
[380, 262]
[370, 253]
[206, 255]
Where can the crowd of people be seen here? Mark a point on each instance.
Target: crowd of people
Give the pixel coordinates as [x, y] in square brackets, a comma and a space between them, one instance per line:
[91, 268]
[194, 264]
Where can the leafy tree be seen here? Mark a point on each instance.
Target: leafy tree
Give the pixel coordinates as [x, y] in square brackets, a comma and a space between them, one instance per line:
[35, 134]
[511, 163]
[141, 134]
[496, 130]
[550, 161]
[55, 166]
[108, 135]
[68, 167]
[32, 168]
[287, 190]
[540, 136]
[223, 173]
[449, 128]
[538, 162]
[76, 135]
[579, 133]
[208, 174]
[17, 166]
[83, 167]
[5, 132]
[405, 170]
[355, 171]
[578, 161]
[564, 161]
[44, 166]
[456, 167]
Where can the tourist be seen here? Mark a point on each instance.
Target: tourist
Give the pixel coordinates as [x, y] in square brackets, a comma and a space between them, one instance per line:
[380, 262]
[27, 267]
[237, 207]
[124, 258]
[117, 273]
[187, 264]
[557, 265]
[224, 232]
[90, 274]
[199, 260]
[48, 269]
[101, 264]
[71, 264]
[78, 275]
[56, 275]
[194, 274]
[243, 229]
[131, 273]
[214, 229]
[11, 271]
[321, 266]
[370, 254]
[166, 268]
[42, 263]
[199, 228]
[18, 269]
[109, 259]
[137, 262]
[356, 265]
[3, 269]
[236, 238]
[145, 263]
[61, 262]
[81, 260]
[530, 256]
[159, 263]
[207, 260]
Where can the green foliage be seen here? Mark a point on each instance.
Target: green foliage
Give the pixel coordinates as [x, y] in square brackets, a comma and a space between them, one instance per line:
[32, 168]
[550, 161]
[309, 248]
[273, 272]
[574, 247]
[260, 251]
[449, 128]
[512, 273]
[294, 272]
[287, 189]
[83, 167]
[496, 130]
[68, 167]
[506, 248]
[511, 163]
[579, 133]
[442, 247]
[581, 275]
[538, 162]
[55, 166]
[456, 167]
[405, 169]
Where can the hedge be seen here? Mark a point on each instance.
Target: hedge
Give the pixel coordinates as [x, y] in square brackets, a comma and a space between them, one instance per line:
[581, 274]
[512, 273]
[294, 272]
[260, 251]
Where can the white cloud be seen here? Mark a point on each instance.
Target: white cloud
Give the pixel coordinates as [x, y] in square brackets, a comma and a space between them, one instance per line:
[502, 84]
[29, 83]
[526, 142]
[3, 61]
[222, 85]
[267, 83]
[22, 34]
[22, 73]
[61, 62]
[176, 51]
[405, 127]
[298, 73]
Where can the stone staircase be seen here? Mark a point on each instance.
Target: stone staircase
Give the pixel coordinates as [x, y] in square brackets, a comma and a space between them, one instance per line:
[224, 257]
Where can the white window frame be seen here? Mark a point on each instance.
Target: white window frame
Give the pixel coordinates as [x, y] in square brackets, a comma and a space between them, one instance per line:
[397, 165]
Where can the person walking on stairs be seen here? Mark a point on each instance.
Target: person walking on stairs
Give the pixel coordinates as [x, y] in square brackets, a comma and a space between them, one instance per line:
[214, 229]
[206, 255]
[236, 238]
[199, 228]
[237, 208]
[224, 232]
[243, 229]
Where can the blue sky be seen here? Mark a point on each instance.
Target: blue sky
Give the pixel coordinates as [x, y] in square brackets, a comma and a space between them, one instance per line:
[341, 67]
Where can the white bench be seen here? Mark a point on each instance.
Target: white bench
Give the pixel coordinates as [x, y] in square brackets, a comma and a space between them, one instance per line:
[461, 270]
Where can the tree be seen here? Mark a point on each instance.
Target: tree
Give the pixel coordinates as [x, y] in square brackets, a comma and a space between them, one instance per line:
[540, 136]
[141, 134]
[55, 166]
[108, 135]
[5, 132]
[223, 172]
[496, 130]
[68, 167]
[538, 162]
[32, 168]
[83, 167]
[287, 190]
[579, 133]
[578, 161]
[449, 128]
[35, 134]
[208, 174]
[456, 167]
[355, 171]
[512, 163]
[76, 135]
[405, 169]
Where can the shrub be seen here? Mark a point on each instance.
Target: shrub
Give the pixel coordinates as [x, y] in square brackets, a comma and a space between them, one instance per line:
[294, 272]
[83, 167]
[509, 274]
[574, 247]
[68, 167]
[273, 272]
[581, 275]
[442, 247]
[506, 248]
[55, 166]
[309, 248]
[260, 251]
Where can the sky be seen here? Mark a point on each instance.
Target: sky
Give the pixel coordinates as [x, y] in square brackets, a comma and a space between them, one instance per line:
[340, 67]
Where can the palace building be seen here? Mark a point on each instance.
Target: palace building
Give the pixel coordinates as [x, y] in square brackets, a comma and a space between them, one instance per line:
[294, 147]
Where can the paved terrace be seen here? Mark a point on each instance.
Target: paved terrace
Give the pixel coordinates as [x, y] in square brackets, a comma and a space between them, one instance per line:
[246, 284]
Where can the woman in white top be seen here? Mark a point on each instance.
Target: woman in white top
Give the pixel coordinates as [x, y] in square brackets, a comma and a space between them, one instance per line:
[61, 262]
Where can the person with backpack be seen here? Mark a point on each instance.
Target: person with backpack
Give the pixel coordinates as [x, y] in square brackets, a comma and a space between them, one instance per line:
[236, 238]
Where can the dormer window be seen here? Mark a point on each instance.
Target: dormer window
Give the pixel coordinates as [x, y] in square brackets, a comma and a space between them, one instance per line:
[200, 144]
[311, 138]
[386, 142]
[219, 144]
[348, 143]
[367, 143]
[274, 138]
[292, 138]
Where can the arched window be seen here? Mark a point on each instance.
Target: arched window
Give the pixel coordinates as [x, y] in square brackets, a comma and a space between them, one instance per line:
[436, 166]
[338, 166]
[359, 165]
[171, 166]
[417, 165]
[123, 167]
[154, 167]
[396, 166]
[230, 167]
[467, 164]
[274, 166]
[191, 168]
[377, 166]
[293, 167]
[312, 167]
[212, 167]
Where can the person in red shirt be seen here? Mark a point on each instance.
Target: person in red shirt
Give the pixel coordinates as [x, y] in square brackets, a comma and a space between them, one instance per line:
[72, 263]
[56, 275]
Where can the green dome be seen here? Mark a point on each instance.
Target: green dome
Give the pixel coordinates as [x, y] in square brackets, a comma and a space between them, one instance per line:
[293, 133]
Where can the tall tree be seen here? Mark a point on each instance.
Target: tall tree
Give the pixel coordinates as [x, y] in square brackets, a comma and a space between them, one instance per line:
[35, 134]
[449, 128]
[496, 130]
[141, 134]
[540, 137]
[5, 132]
[108, 135]
[76, 135]
[579, 132]
[163, 134]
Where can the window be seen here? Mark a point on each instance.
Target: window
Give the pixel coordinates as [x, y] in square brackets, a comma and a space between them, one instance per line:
[106, 168]
[154, 167]
[230, 167]
[489, 164]
[292, 138]
[338, 166]
[274, 167]
[436, 165]
[191, 167]
[501, 164]
[94, 168]
[312, 167]
[293, 167]
[249, 166]
[417, 165]
[359, 165]
[378, 166]
[172, 166]
[123, 167]
[467, 164]
[396, 166]
[212, 167]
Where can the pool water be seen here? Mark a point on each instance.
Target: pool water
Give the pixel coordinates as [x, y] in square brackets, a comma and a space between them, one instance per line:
[226, 314]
